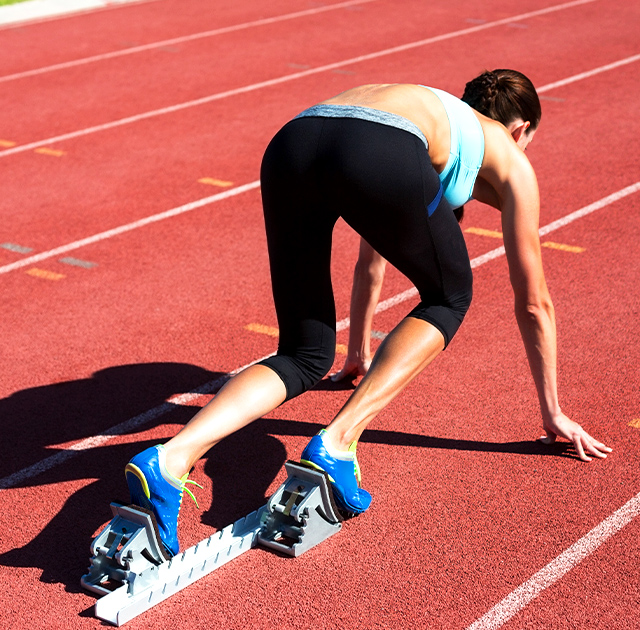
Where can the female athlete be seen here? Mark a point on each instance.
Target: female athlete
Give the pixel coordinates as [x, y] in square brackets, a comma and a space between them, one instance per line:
[395, 162]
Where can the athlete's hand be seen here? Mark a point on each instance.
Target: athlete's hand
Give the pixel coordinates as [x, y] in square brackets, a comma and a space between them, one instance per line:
[561, 426]
[353, 368]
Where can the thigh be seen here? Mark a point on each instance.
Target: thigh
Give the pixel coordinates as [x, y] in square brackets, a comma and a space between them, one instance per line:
[299, 227]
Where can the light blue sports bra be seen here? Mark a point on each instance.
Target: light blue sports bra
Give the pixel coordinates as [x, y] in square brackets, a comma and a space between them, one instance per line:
[467, 149]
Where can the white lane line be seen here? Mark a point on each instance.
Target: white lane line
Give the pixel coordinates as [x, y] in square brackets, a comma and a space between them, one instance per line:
[596, 205]
[212, 386]
[557, 568]
[279, 80]
[179, 40]
[24, 262]
[590, 73]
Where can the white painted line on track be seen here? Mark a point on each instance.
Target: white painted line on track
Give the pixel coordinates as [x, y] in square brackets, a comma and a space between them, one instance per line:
[128, 227]
[289, 77]
[589, 73]
[211, 387]
[235, 191]
[180, 40]
[557, 568]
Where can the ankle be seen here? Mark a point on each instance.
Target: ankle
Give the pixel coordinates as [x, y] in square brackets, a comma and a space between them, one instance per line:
[175, 464]
[337, 441]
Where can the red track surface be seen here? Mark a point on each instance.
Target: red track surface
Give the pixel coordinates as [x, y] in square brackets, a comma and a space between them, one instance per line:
[467, 506]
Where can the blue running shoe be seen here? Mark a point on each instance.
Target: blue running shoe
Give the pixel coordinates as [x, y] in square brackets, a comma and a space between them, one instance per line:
[154, 488]
[344, 474]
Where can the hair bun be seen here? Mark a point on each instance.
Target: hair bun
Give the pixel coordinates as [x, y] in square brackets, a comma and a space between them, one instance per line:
[504, 95]
[491, 85]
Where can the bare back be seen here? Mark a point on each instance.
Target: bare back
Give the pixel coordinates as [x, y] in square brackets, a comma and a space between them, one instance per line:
[417, 104]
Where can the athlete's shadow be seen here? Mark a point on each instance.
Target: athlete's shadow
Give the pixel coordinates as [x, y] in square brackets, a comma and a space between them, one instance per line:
[34, 421]
[241, 468]
[62, 548]
[38, 424]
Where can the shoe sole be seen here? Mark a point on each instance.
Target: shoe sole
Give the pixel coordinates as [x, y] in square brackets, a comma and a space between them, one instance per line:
[139, 490]
[137, 482]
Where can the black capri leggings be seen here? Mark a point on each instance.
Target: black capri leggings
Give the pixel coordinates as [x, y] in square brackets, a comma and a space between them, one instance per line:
[380, 180]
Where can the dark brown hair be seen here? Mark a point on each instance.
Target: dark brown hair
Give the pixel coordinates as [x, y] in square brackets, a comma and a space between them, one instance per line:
[505, 96]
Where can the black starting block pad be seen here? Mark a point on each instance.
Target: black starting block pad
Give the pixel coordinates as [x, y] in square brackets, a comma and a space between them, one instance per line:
[130, 569]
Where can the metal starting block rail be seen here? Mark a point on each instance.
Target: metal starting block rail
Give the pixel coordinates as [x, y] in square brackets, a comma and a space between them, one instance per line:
[131, 572]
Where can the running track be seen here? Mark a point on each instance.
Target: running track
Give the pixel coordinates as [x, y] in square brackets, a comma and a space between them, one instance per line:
[134, 280]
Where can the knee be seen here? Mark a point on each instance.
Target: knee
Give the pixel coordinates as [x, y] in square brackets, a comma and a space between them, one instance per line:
[303, 362]
[446, 317]
[311, 366]
[461, 302]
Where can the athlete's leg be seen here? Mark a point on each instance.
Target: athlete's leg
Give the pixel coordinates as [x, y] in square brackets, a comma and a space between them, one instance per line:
[299, 240]
[248, 396]
[407, 351]
[432, 253]
[385, 199]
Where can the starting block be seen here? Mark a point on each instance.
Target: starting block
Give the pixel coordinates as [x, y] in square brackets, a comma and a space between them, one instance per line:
[131, 571]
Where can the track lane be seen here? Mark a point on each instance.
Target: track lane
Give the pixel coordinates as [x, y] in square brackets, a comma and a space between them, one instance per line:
[328, 54]
[134, 50]
[455, 519]
[157, 80]
[69, 38]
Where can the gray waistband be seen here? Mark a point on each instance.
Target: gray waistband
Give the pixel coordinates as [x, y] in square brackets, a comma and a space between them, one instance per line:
[364, 113]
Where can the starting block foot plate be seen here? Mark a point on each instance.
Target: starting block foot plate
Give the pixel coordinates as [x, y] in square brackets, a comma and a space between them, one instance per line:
[302, 512]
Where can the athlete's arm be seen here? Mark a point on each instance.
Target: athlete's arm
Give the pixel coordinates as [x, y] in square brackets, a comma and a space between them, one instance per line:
[517, 193]
[367, 283]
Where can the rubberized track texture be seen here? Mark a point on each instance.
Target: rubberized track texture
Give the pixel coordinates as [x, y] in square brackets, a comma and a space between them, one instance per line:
[134, 281]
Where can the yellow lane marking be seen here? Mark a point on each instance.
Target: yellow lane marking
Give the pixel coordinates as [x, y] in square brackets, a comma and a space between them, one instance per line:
[7, 143]
[565, 248]
[215, 182]
[263, 330]
[493, 234]
[483, 232]
[44, 274]
[635, 423]
[274, 332]
[53, 152]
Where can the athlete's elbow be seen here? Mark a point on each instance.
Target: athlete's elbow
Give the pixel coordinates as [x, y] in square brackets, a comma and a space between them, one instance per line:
[534, 308]
[371, 271]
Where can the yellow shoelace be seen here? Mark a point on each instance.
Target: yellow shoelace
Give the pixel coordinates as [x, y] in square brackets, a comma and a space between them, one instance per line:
[183, 486]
